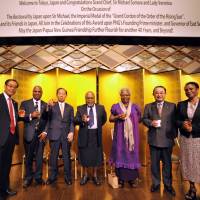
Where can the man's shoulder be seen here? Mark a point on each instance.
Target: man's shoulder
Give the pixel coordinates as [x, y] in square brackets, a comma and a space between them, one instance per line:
[27, 101]
[81, 106]
[170, 103]
[68, 105]
[150, 104]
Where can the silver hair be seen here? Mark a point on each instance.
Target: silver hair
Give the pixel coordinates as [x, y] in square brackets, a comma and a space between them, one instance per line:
[125, 89]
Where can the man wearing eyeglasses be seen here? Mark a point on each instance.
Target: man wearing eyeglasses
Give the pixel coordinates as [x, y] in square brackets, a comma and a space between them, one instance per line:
[8, 134]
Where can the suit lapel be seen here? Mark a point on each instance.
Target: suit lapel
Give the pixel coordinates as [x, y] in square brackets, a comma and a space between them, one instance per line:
[65, 110]
[5, 105]
[31, 104]
[97, 113]
[184, 109]
[84, 110]
[57, 108]
[155, 110]
[197, 111]
[165, 109]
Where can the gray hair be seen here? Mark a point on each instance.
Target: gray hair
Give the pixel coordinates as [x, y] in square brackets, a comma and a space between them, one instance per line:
[126, 90]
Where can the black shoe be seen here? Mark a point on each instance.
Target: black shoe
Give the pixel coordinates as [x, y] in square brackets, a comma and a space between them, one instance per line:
[154, 188]
[50, 181]
[96, 181]
[133, 184]
[10, 192]
[191, 195]
[121, 183]
[170, 190]
[2, 196]
[84, 180]
[39, 181]
[27, 182]
[68, 181]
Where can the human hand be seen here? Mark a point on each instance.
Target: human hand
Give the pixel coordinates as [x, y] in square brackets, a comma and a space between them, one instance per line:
[70, 137]
[42, 136]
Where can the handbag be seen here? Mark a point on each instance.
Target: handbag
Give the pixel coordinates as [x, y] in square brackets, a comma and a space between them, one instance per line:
[113, 179]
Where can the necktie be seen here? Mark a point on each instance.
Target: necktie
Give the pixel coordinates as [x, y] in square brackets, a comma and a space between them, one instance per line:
[91, 117]
[11, 112]
[159, 107]
[62, 109]
[36, 106]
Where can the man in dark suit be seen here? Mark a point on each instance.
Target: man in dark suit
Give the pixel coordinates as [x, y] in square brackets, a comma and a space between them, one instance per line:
[34, 137]
[90, 117]
[60, 132]
[159, 117]
[8, 134]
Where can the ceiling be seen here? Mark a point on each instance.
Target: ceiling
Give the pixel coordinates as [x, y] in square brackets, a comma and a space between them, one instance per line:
[117, 58]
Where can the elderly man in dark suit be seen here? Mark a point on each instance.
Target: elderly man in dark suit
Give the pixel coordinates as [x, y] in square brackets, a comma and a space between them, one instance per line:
[8, 134]
[60, 132]
[159, 117]
[34, 137]
[90, 117]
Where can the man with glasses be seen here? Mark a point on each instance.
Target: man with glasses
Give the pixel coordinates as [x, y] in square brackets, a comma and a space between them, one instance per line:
[159, 118]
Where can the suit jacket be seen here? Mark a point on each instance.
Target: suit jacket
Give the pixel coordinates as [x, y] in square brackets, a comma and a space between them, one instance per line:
[5, 120]
[30, 125]
[168, 131]
[57, 126]
[83, 127]
[182, 116]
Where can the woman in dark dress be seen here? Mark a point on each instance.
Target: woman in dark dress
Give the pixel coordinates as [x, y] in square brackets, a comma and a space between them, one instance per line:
[125, 147]
[188, 120]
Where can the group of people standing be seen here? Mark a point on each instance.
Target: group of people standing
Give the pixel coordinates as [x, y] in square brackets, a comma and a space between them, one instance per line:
[55, 120]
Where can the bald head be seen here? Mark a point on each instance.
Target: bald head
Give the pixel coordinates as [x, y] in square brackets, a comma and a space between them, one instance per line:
[90, 98]
[37, 92]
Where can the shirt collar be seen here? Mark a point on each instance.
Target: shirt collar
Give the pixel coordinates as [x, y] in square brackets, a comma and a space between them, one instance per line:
[160, 103]
[34, 100]
[91, 106]
[6, 96]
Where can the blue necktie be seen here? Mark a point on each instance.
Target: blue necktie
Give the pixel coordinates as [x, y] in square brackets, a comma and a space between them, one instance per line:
[91, 117]
[36, 106]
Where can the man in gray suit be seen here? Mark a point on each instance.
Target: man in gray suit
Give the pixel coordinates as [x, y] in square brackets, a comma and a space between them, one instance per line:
[159, 117]
[34, 124]
[60, 130]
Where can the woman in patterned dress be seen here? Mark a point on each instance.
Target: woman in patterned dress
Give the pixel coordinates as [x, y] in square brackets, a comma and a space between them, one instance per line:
[188, 121]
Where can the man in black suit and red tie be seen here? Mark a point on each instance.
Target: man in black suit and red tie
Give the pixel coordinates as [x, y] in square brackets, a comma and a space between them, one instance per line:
[34, 138]
[60, 131]
[8, 134]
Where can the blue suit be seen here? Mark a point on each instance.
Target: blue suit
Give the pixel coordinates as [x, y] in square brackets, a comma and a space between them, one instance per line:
[57, 131]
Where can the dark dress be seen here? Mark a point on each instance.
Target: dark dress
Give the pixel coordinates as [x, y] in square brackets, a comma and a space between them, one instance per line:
[126, 162]
[91, 156]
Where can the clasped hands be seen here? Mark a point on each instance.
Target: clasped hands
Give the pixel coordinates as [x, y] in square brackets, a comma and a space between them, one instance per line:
[187, 125]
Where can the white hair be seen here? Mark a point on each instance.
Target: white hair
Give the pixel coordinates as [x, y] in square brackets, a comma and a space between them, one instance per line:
[126, 90]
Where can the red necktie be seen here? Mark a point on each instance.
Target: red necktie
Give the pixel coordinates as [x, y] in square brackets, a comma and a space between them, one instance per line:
[11, 111]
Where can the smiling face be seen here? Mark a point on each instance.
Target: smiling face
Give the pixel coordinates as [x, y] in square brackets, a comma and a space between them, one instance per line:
[61, 95]
[191, 91]
[37, 93]
[10, 88]
[159, 94]
[125, 96]
[90, 98]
